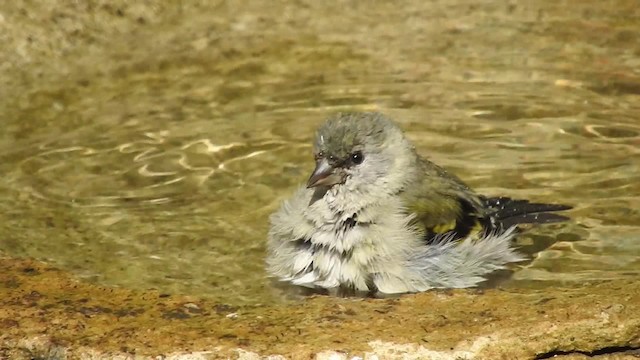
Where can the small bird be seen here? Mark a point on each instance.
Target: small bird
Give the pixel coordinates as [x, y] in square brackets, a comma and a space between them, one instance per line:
[376, 217]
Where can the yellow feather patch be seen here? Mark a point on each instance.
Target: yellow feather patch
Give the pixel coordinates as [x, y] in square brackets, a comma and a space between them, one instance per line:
[443, 228]
[477, 227]
[474, 231]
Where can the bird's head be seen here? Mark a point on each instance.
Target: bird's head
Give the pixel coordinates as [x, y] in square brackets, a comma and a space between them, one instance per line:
[360, 150]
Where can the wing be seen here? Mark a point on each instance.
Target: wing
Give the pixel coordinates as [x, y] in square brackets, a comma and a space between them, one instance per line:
[445, 207]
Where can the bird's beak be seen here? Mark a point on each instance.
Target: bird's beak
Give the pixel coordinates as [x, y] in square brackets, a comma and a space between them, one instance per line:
[324, 175]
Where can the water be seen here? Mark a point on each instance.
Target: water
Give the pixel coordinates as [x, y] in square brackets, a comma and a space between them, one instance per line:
[152, 158]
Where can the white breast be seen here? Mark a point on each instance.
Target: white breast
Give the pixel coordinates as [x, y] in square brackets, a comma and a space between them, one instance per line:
[340, 256]
[349, 244]
[319, 245]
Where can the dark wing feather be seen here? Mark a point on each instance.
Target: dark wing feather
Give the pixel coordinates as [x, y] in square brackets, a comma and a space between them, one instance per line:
[509, 212]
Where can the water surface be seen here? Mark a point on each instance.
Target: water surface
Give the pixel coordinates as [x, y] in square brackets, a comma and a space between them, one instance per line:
[153, 157]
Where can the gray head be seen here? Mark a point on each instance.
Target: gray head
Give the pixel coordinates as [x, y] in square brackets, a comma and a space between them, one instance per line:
[359, 150]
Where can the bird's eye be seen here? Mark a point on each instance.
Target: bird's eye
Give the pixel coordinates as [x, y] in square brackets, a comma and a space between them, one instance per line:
[357, 157]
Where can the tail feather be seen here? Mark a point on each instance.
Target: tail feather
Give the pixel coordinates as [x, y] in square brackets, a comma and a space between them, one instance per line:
[538, 218]
[509, 212]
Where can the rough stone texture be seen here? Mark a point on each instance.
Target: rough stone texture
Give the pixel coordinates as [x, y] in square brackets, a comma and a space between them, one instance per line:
[47, 314]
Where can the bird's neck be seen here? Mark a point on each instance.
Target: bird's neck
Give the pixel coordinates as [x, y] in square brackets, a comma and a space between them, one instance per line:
[344, 203]
[349, 200]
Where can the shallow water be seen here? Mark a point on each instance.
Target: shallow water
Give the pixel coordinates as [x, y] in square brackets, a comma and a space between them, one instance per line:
[154, 159]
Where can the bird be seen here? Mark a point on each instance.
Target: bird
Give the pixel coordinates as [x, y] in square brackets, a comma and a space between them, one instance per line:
[376, 217]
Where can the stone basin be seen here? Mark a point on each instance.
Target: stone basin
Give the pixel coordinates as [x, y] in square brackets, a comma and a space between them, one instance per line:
[46, 314]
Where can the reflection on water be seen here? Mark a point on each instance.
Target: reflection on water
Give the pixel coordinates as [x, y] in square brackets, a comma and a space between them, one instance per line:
[158, 166]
